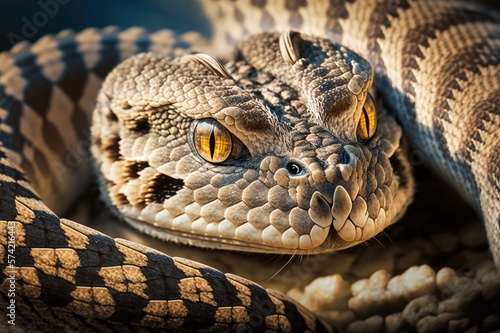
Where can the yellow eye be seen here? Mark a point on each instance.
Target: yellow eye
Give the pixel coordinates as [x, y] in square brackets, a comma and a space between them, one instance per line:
[214, 142]
[368, 121]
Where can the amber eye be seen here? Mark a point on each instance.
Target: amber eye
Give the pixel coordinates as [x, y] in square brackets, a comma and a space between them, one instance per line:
[368, 121]
[214, 142]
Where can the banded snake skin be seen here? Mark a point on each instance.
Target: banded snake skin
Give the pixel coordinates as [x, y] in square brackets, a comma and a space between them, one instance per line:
[434, 63]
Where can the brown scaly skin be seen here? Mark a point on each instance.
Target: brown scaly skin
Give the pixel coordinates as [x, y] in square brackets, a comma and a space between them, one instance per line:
[436, 63]
[12, 186]
[347, 190]
[70, 276]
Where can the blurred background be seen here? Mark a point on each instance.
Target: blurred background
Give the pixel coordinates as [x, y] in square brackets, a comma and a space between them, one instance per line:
[52, 16]
[179, 15]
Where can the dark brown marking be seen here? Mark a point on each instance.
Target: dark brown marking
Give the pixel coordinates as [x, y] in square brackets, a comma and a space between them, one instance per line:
[294, 5]
[420, 36]
[481, 115]
[259, 3]
[380, 16]
[160, 188]
[120, 199]
[132, 169]
[111, 148]
[470, 59]
[238, 16]
[267, 21]
[336, 10]
[38, 95]
[140, 125]
[295, 21]
[111, 116]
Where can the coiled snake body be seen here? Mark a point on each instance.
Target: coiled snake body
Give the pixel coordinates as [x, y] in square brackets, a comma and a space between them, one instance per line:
[280, 150]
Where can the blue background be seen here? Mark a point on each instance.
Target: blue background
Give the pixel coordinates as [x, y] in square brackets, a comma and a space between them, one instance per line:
[179, 15]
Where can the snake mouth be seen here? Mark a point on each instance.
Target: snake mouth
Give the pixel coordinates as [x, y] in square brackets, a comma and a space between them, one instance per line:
[205, 241]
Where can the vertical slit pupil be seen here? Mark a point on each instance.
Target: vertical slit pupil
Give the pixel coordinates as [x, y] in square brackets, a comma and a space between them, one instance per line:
[212, 144]
[367, 122]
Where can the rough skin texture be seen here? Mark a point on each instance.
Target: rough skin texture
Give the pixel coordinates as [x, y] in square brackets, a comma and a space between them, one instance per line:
[347, 190]
[429, 59]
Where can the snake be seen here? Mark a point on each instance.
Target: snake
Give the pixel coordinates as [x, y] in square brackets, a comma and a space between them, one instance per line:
[296, 142]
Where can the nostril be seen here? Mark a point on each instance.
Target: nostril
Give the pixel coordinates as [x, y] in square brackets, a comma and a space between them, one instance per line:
[345, 158]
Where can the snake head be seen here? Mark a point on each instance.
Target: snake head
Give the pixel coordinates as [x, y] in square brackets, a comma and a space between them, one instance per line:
[279, 150]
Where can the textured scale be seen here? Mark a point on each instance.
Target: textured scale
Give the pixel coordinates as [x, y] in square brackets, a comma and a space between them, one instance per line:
[449, 52]
[274, 210]
[433, 62]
